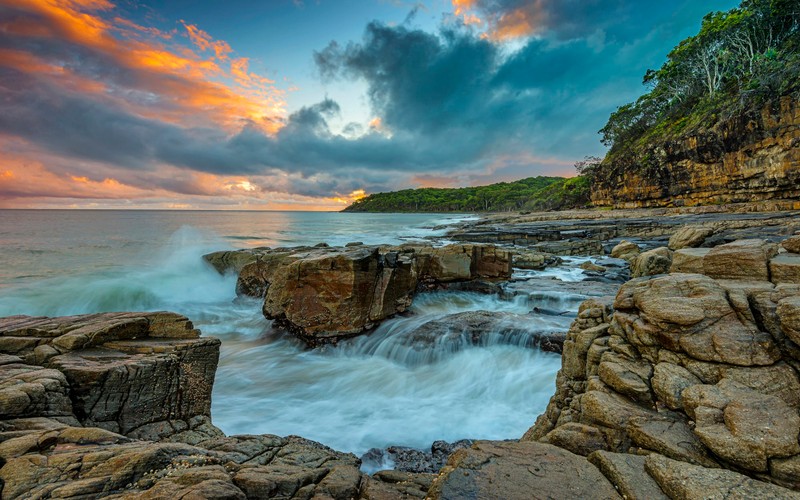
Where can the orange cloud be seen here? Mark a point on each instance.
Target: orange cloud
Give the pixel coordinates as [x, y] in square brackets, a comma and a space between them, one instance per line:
[525, 20]
[187, 86]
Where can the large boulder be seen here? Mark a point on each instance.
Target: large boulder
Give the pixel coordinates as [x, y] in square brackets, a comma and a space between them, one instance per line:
[625, 250]
[690, 313]
[145, 375]
[322, 294]
[740, 260]
[652, 262]
[689, 237]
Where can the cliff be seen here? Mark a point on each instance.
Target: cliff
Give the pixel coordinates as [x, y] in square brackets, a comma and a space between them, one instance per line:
[752, 156]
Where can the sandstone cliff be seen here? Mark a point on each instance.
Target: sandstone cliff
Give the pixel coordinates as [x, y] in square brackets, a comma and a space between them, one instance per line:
[753, 156]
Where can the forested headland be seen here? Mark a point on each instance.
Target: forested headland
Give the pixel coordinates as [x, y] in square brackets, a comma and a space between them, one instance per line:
[715, 117]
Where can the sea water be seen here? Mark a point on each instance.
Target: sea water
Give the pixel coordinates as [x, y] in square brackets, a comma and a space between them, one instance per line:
[372, 391]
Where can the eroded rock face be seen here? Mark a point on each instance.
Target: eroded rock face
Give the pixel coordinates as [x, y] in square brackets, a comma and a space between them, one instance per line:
[749, 157]
[322, 294]
[118, 405]
[699, 373]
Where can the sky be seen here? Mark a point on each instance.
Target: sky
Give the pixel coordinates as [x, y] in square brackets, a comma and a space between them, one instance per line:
[310, 104]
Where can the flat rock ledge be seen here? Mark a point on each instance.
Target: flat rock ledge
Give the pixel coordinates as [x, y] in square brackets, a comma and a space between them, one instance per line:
[323, 294]
[117, 405]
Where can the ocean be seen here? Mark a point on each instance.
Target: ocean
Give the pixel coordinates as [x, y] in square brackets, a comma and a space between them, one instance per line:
[372, 391]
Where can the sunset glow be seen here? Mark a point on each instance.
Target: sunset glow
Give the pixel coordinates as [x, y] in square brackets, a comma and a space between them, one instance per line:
[107, 104]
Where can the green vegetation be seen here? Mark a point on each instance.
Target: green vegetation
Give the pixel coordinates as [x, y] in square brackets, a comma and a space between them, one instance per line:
[534, 193]
[740, 60]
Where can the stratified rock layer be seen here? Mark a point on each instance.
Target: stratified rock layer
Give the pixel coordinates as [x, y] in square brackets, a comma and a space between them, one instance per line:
[749, 157]
[117, 405]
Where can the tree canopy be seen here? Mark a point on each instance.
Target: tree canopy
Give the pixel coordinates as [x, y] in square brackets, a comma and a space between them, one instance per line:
[533, 193]
[739, 58]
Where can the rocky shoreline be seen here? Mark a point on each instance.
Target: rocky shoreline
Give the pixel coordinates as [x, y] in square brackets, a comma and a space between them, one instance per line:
[681, 383]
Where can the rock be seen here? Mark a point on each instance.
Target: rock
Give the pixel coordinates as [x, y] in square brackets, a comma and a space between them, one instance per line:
[792, 244]
[672, 438]
[689, 237]
[682, 480]
[627, 473]
[786, 471]
[33, 391]
[743, 426]
[322, 294]
[591, 266]
[788, 312]
[627, 376]
[528, 259]
[743, 259]
[411, 460]
[669, 381]
[785, 268]
[652, 262]
[233, 260]
[688, 260]
[625, 250]
[123, 391]
[748, 157]
[391, 485]
[455, 331]
[526, 470]
[611, 410]
[690, 313]
[578, 438]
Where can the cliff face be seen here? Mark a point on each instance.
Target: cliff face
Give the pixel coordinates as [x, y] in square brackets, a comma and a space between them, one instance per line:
[753, 156]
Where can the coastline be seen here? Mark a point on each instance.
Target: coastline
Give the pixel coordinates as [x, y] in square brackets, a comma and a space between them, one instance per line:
[618, 399]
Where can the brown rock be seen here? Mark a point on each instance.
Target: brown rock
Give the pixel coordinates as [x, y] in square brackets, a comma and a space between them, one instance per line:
[683, 480]
[792, 244]
[788, 312]
[689, 237]
[652, 262]
[626, 472]
[690, 313]
[669, 381]
[625, 250]
[740, 260]
[525, 470]
[688, 260]
[785, 268]
[672, 438]
[743, 426]
[578, 438]
[627, 376]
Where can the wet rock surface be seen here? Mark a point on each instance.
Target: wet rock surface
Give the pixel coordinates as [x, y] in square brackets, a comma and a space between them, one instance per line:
[118, 405]
[685, 385]
[324, 294]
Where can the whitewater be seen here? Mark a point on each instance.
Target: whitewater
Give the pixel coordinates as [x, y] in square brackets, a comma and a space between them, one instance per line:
[369, 392]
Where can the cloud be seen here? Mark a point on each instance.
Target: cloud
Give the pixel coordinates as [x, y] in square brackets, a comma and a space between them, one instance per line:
[97, 106]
